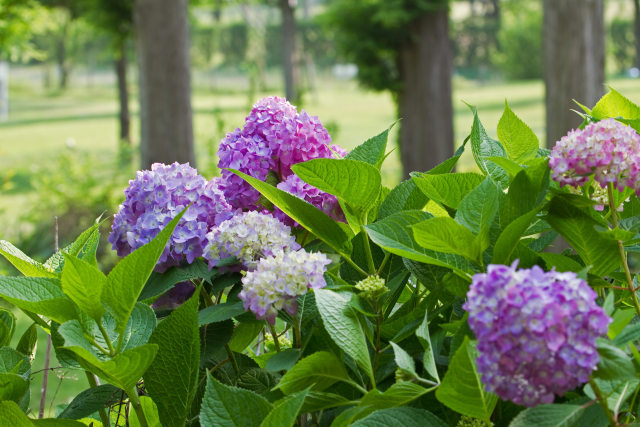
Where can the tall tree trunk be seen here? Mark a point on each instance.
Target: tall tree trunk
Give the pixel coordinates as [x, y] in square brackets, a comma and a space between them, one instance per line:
[574, 61]
[289, 61]
[123, 94]
[165, 84]
[424, 102]
[636, 30]
[63, 66]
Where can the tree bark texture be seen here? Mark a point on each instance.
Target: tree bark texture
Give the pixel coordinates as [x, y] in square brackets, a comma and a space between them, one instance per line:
[424, 101]
[123, 95]
[573, 61]
[289, 61]
[162, 40]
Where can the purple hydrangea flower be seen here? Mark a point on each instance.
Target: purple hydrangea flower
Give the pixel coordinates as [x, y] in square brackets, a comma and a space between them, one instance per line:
[536, 331]
[324, 201]
[279, 280]
[248, 236]
[608, 150]
[154, 198]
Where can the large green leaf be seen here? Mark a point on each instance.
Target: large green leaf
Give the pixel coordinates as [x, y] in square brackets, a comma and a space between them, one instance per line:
[518, 139]
[12, 387]
[395, 235]
[400, 417]
[320, 371]
[354, 182]
[27, 343]
[404, 360]
[128, 277]
[526, 192]
[150, 411]
[444, 234]
[461, 388]
[83, 283]
[507, 243]
[12, 415]
[90, 401]
[613, 104]
[478, 209]
[399, 394]
[23, 263]
[579, 230]
[371, 151]
[40, 295]
[404, 196]
[308, 216]
[14, 374]
[483, 147]
[221, 406]
[448, 188]
[124, 370]
[340, 321]
[220, 312]
[284, 412]
[551, 415]
[172, 378]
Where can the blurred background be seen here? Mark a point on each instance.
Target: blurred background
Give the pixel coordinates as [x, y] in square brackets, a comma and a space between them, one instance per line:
[93, 90]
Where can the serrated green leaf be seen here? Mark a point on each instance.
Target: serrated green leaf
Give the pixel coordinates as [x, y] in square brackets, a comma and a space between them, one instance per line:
[403, 360]
[449, 188]
[483, 147]
[83, 284]
[526, 192]
[400, 417]
[318, 401]
[7, 327]
[41, 295]
[84, 247]
[243, 334]
[613, 104]
[14, 374]
[90, 401]
[399, 394]
[22, 262]
[371, 151]
[12, 415]
[478, 209]
[518, 139]
[320, 371]
[284, 412]
[124, 370]
[428, 360]
[461, 388]
[404, 196]
[12, 387]
[444, 234]
[506, 246]
[308, 216]
[220, 312]
[28, 340]
[172, 378]
[340, 321]
[221, 403]
[511, 167]
[150, 411]
[551, 415]
[128, 277]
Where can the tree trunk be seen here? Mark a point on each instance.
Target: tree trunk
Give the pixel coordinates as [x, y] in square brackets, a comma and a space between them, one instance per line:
[289, 61]
[574, 61]
[162, 40]
[123, 94]
[424, 101]
[636, 30]
[63, 66]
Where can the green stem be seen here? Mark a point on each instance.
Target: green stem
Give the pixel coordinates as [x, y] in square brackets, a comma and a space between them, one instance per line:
[367, 250]
[384, 262]
[93, 384]
[603, 402]
[274, 334]
[621, 251]
[378, 340]
[105, 335]
[135, 402]
[296, 332]
[353, 264]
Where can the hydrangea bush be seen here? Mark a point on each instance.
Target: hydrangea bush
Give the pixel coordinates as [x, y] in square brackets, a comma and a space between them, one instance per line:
[295, 289]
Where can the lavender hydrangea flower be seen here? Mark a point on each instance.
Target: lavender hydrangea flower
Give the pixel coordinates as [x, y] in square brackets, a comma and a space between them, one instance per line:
[279, 280]
[326, 202]
[154, 198]
[536, 331]
[248, 236]
[608, 150]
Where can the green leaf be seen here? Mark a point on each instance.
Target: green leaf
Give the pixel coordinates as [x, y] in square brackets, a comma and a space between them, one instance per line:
[399, 394]
[320, 371]
[484, 148]
[221, 406]
[12, 387]
[90, 401]
[352, 181]
[244, 334]
[461, 388]
[41, 295]
[444, 234]
[22, 262]
[340, 321]
[449, 188]
[395, 235]
[308, 216]
[507, 243]
[428, 360]
[84, 247]
[284, 412]
[128, 277]
[83, 283]
[371, 151]
[550, 415]
[579, 230]
[508, 165]
[518, 139]
[400, 417]
[159, 283]
[613, 104]
[404, 196]
[7, 327]
[403, 360]
[220, 312]
[28, 340]
[318, 401]
[527, 191]
[478, 209]
[172, 378]
[12, 415]
[124, 370]
[150, 411]
[283, 360]
[14, 374]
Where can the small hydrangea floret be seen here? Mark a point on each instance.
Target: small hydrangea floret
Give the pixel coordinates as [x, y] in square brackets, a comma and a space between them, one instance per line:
[279, 280]
[536, 331]
[371, 286]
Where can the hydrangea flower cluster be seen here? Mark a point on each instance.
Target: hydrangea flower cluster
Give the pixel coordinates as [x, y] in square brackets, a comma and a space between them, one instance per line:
[608, 150]
[248, 236]
[279, 280]
[154, 198]
[372, 286]
[274, 137]
[327, 203]
[536, 331]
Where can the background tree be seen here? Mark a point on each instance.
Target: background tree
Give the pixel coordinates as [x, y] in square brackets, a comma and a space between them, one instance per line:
[162, 38]
[403, 46]
[574, 61]
[290, 60]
